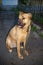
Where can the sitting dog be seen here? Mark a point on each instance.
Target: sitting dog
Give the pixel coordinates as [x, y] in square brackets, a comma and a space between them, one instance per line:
[18, 34]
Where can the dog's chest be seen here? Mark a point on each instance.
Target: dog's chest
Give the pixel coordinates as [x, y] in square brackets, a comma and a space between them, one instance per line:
[21, 33]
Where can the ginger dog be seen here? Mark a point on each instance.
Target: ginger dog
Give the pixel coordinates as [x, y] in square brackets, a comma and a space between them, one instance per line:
[19, 34]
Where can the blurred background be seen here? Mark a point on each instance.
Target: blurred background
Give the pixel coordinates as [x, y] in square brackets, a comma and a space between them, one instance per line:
[34, 6]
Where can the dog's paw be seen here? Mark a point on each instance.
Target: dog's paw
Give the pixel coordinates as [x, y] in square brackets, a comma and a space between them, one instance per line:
[20, 57]
[26, 52]
[10, 50]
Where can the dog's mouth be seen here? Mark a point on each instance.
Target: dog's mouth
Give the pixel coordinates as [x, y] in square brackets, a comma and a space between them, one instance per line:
[21, 24]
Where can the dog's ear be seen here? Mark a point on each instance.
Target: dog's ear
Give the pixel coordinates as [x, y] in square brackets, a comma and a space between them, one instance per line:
[20, 12]
[29, 15]
[20, 15]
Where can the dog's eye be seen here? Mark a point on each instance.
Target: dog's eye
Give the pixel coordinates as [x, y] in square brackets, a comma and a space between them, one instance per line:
[23, 18]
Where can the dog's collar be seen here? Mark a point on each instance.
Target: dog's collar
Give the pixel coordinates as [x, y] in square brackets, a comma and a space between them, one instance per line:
[21, 24]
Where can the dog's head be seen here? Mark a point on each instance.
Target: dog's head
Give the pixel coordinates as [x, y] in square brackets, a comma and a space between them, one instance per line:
[24, 18]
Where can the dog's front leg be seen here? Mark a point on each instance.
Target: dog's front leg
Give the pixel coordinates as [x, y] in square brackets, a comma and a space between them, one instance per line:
[18, 50]
[25, 51]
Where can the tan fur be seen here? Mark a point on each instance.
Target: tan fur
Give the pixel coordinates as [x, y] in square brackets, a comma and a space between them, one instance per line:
[18, 34]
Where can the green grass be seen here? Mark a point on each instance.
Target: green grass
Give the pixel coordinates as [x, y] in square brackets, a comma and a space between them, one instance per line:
[34, 28]
[41, 21]
[41, 35]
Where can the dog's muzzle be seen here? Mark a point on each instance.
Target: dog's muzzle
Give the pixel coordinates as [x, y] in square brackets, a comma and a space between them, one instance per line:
[21, 24]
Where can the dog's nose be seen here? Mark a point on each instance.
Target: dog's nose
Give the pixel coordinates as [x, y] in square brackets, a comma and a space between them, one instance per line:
[24, 24]
[19, 20]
